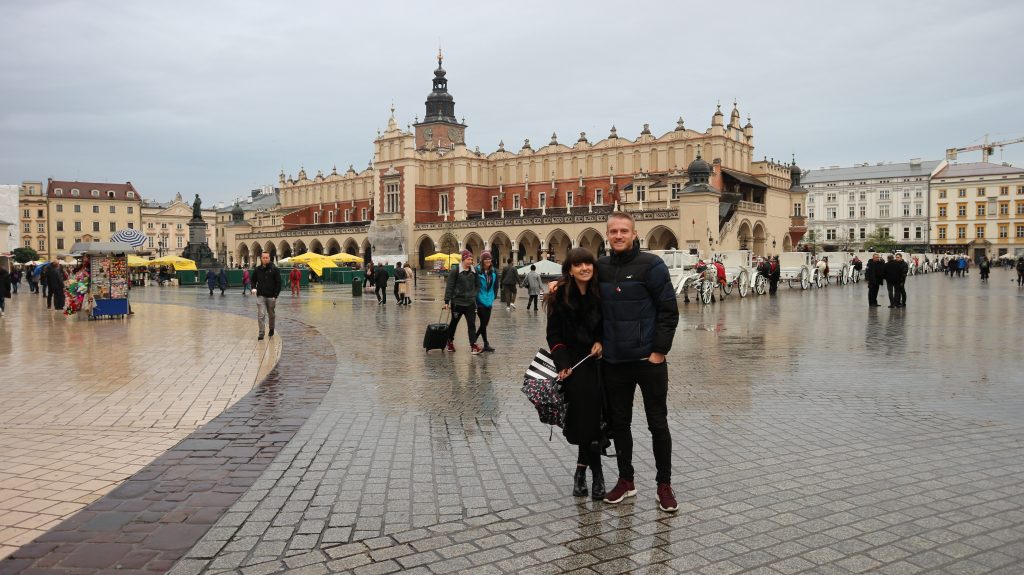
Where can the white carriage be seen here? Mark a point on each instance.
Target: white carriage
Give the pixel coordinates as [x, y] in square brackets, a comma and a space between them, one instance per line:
[681, 268]
[839, 267]
[795, 269]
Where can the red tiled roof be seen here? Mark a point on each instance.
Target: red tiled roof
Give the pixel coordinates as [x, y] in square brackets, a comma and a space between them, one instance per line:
[85, 190]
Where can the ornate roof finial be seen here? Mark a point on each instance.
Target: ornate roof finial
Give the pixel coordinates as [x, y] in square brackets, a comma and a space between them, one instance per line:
[392, 109]
[698, 151]
[501, 146]
[646, 130]
[554, 139]
[583, 137]
[440, 56]
[679, 124]
[614, 133]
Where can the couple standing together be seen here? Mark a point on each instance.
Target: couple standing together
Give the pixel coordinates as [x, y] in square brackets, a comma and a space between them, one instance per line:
[622, 309]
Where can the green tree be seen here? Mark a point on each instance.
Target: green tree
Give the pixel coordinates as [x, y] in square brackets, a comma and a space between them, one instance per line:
[879, 241]
[24, 254]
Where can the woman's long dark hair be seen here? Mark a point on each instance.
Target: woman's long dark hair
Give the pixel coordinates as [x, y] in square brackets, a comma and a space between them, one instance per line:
[566, 288]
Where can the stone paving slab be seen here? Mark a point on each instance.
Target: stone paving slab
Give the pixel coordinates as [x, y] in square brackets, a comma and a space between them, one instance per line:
[88, 404]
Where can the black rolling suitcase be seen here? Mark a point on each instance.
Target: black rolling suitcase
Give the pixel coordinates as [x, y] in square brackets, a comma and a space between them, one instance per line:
[436, 336]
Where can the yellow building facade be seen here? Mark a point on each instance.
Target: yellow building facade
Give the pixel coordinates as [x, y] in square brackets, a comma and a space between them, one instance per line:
[33, 223]
[978, 209]
[89, 211]
[166, 226]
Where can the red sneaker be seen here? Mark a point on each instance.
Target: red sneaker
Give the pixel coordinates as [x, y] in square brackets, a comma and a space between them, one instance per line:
[622, 490]
[450, 348]
[666, 498]
[475, 349]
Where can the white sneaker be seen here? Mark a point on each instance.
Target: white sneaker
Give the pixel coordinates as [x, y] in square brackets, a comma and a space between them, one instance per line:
[508, 307]
[513, 306]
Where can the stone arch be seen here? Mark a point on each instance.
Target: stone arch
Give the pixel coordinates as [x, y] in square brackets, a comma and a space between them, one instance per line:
[474, 243]
[760, 239]
[256, 250]
[448, 244]
[425, 247]
[272, 249]
[333, 247]
[299, 248]
[351, 247]
[558, 244]
[592, 240]
[316, 247]
[242, 256]
[787, 243]
[528, 247]
[367, 250]
[662, 238]
[501, 247]
[744, 235]
[284, 250]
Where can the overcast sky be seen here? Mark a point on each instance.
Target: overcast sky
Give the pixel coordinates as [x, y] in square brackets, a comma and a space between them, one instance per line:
[216, 97]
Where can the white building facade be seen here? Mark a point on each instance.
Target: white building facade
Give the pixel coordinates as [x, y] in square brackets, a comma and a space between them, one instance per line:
[846, 205]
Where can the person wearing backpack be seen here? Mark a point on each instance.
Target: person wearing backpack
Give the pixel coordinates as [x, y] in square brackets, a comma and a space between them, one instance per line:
[574, 331]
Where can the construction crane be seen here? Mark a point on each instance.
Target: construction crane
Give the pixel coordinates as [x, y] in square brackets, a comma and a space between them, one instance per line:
[986, 148]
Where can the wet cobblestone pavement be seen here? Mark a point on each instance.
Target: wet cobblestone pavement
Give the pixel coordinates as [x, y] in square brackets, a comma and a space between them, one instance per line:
[811, 434]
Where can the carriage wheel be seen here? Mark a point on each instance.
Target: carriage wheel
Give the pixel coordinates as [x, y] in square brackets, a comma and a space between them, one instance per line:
[705, 289]
[743, 283]
[805, 279]
[726, 287]
[760, 284]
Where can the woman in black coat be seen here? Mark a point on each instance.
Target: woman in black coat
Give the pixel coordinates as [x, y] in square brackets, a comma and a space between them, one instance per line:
[573, 332]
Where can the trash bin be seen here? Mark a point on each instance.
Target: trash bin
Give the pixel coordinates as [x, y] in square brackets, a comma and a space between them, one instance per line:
[357, 287]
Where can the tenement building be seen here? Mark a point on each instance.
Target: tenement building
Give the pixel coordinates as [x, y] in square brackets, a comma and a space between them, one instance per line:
[979, 210]
[426, 190]
[847, 205]
[33, 228]
[89, 211]
[166, 226]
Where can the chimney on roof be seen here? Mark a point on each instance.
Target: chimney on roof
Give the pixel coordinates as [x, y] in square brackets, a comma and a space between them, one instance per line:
[915, 161]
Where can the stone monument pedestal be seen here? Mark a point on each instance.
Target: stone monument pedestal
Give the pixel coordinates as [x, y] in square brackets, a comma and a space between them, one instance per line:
[197, 249]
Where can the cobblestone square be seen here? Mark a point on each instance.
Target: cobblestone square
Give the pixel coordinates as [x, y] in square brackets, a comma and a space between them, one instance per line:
[811, 434]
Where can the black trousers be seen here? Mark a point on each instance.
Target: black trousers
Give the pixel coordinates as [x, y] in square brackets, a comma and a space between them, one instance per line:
[532, 301]
[382, 293]
[621, 381]
[397, 297]
[55, 299]
[773, 284]
[900, 290]
[458, 312]
[485, 318]
[892, 293]
[873, 293]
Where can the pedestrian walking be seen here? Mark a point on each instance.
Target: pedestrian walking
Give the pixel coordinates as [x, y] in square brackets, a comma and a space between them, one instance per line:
[15, 280]
[1020, 271]
[5, 289]
[533, 287]
[399, 279]
[211, 280]
[509, 285]
[368, 275]
[222, 280]
[380, 284]
[266, 286]
[983, 268]
[875, 276]
[246, 282]
[639, 319]
[53, 281]
[295, 281]
[404, 289]
[31, 278]
[575, 331]
[460, 296]
[485, 295]
[41, 274]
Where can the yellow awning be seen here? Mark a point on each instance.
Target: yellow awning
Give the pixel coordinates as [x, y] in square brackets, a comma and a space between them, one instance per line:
[346, 258]
[448, 260]
[137, 262]
[315, 261]
[178, 263]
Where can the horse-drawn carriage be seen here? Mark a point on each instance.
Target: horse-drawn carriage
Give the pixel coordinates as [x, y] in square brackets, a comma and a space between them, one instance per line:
[795, 269]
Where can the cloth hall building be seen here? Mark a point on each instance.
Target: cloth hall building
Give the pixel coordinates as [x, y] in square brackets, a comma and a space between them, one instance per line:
[427, 191]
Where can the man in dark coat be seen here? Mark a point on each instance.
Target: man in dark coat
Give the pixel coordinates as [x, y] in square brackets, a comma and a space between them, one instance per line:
[640, 315]
[222, 280]
[266, 286]
[509, 285]
[53, 279]
[898, 280]
[5, 287]
[380, 284]
[773, 275]
[875, 276]
[211, 280]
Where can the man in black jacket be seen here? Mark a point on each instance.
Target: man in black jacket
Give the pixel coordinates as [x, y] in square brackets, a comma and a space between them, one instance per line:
[889, 272]
[640, 315]
[266, 286]
[875, 275]
[896, 277]
[53, 281]
[380, 284]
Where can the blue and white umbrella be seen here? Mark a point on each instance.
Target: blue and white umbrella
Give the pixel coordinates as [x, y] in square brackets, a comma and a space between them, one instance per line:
[130, 236]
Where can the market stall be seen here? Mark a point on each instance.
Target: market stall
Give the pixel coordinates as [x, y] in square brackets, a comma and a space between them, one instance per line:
[101, 283]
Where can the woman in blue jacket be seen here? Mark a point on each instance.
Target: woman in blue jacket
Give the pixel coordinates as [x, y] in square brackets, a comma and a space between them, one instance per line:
[488, 278]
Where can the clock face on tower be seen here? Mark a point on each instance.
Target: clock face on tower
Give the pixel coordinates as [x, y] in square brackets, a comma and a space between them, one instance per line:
[455, 135]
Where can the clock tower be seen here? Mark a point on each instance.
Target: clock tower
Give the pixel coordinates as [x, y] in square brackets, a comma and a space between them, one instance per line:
[439, 128]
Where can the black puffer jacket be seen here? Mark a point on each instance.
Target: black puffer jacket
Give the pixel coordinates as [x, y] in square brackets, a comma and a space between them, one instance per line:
[266, 280]
[639, 306]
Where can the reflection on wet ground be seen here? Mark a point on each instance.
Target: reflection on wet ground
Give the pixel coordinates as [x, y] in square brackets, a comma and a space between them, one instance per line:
[811, 433]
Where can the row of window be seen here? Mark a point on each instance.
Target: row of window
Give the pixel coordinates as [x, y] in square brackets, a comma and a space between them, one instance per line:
[179, 240]
[95, 209]
[26, 214]
[78, 226]
[347, 214]
[961, 210]
[94, 193]
[863, 183]
[163, 226]
[982, 192]
[979, 231]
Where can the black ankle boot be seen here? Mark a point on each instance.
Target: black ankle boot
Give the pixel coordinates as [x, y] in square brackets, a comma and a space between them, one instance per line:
[597, 492]
[579, 482]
